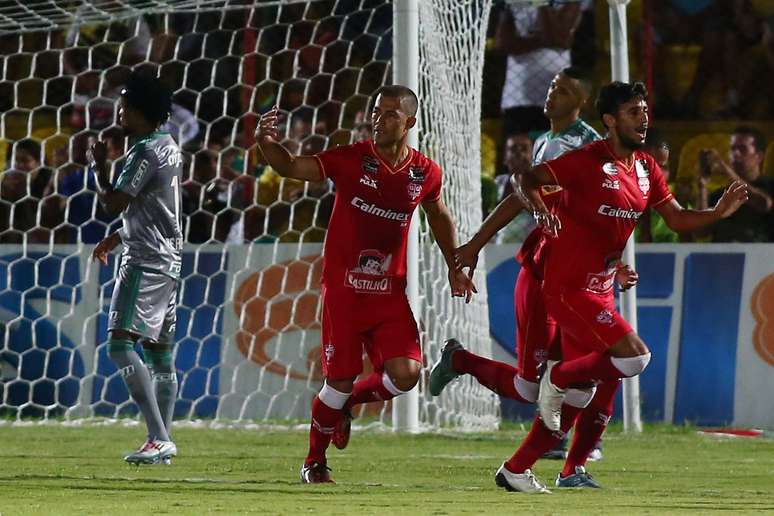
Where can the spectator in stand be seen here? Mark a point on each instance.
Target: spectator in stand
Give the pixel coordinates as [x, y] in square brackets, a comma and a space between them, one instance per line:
[517, 156]
[537, 41]
[753, 222]
[728, 31]
[24, 190]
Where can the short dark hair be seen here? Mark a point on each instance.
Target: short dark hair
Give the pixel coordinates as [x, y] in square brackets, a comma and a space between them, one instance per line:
[757, 136]
[617, 93]
[583, 76]
[403, 93]
[29, 146]
[146, 93]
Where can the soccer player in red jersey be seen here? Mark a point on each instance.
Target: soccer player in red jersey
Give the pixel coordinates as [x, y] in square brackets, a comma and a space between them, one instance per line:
[537, 332]
[598, 210]
[378, 183]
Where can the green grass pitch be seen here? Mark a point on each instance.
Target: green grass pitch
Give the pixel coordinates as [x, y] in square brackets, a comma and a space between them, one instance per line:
[79, 470]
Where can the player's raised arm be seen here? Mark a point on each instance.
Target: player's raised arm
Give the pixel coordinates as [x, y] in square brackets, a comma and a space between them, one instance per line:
[304, 168]
[114, 201]
[682, 220]
[442, 225]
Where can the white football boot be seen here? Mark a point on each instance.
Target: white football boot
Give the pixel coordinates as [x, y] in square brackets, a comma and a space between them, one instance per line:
[550, 399]
[525, 482]
[153, 451]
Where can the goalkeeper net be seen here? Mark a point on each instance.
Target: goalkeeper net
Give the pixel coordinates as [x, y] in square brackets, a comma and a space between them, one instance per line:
[248, 312]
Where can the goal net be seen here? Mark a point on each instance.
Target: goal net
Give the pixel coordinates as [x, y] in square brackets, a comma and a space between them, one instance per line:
[248, 324]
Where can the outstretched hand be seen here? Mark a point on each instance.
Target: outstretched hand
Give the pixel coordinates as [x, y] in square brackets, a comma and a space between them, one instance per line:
[732, 199]
[268, 129]
[461, 284]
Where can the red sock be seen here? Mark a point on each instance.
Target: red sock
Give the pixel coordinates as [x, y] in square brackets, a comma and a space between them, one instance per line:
[324, 419]
[540, 440]
[498, 377]
[595, 366]
[590, 426]
[369, 389]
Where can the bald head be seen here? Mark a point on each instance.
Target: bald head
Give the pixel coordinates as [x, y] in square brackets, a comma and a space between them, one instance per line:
[409, 103]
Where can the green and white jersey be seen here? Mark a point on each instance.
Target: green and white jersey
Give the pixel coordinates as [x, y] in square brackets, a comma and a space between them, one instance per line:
[550, 146]
[152, 230]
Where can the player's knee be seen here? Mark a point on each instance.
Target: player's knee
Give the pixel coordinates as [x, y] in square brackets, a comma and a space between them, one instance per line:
[629, 346]
[526, 389]
[631, 366]
[403, 383]
[333, 397]
[579, 398]
[119, 346]
[157, 354]
[402, 374]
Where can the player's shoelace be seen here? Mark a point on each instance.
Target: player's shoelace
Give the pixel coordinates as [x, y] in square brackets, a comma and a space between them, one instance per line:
[148, 446]
[533, 481]
[318, 471]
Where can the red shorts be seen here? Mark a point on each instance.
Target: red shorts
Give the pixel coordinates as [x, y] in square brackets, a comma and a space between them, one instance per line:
[536, 331]
[382, 325]
[589, 321]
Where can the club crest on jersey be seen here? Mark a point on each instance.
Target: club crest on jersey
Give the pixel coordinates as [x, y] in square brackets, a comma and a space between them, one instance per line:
[643, 176]
[370, 275]
[416, 174]
[610, 169]
[605, 317]
[370, 165]
[414, 190]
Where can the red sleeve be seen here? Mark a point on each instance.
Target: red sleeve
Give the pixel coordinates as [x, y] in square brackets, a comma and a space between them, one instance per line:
[659, 190]
[433, 190]
[335, 162]
[565, 168]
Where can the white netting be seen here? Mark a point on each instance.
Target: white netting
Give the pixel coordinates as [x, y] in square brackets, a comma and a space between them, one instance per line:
[451, 42]
[248, 329]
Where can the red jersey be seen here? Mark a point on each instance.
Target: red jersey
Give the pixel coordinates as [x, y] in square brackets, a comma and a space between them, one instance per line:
[599, 209]
[365, 248]
[533, 251]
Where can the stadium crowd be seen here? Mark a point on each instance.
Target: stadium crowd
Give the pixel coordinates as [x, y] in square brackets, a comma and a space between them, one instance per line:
[60, 93]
